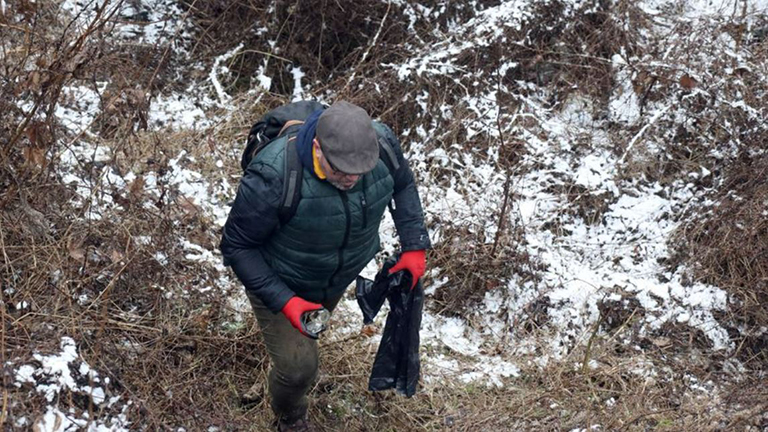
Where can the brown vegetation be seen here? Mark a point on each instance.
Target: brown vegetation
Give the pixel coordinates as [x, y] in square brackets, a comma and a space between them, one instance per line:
[727, 246]
[178, 352]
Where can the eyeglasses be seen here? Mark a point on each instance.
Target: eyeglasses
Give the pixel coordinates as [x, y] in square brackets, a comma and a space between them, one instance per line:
[336, 171]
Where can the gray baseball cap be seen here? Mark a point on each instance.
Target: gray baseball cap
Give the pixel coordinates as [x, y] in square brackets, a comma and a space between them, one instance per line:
[347, 138]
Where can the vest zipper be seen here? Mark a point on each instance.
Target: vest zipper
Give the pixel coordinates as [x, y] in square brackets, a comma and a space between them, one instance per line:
[364, 205]
[345, 201]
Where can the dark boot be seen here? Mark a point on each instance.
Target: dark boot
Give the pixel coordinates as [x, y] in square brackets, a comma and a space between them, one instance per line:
[300, 425]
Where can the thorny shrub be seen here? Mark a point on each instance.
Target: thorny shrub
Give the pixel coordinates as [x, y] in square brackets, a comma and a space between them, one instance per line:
[562, 48]
[713, 141]
[726, 245]
[326, 38]
[101, 280]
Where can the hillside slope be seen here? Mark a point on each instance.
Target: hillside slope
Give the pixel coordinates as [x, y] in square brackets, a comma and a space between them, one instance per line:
[593, 175]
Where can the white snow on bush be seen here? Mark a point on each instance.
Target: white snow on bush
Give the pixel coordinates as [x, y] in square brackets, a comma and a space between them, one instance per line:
[146, 22]
[56, 374]
[180, 111]
[587, 261]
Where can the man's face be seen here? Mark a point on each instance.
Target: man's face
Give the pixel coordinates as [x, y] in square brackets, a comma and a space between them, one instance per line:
[338, 179]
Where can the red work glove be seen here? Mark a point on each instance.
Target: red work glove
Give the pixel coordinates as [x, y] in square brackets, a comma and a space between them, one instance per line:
[413, 261]
[295, 307]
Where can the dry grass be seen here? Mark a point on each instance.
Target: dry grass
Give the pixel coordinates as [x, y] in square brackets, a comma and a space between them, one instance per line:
[727, 246]
[718, 148]
[180, 353]
[562, 396]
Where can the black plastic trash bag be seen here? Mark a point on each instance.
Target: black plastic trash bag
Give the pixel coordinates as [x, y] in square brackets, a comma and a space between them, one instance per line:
[397, 360]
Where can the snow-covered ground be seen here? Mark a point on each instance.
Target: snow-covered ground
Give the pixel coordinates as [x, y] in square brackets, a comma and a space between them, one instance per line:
[66, 371]
[616, 257]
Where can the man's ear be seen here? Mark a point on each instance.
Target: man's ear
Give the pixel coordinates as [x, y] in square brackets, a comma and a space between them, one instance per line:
[316, 146]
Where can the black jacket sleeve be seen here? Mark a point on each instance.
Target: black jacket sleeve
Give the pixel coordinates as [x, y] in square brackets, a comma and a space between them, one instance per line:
[407, 212]
[252, 219]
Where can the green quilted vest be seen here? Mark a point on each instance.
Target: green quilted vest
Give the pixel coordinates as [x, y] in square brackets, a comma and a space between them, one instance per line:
[333, 234]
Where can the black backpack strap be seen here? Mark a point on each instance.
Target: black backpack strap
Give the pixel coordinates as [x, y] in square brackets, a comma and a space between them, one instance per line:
[256, 141]
[273, 124]
[291, 182]
[387, 154]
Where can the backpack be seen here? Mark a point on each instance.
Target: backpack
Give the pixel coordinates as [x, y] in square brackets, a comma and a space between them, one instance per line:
[286, 120]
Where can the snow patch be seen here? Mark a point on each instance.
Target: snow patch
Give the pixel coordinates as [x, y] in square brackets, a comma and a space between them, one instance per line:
[62, 372]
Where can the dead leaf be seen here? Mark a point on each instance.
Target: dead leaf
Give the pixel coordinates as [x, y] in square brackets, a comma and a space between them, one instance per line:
[187, 206]
[76, 251]
[137, 188]
[116, 256]
[202, 320]
[687, 82]
[199, 236]
[35, 153]
[32, 135]
[41, 423]
[34, 78]
[34, 156]
[136, 97]
[37, 223]
[120, 200]
[368, 330]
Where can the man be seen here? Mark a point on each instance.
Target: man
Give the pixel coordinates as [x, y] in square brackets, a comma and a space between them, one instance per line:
[307, 262]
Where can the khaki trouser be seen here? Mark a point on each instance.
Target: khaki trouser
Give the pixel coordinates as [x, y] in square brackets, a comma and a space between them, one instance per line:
[293, 360]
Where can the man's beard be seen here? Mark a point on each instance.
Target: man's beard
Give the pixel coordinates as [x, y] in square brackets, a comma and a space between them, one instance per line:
[342, 185]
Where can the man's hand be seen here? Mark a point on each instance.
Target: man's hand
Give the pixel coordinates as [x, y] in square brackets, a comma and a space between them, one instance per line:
[297, 306]
[413, 261]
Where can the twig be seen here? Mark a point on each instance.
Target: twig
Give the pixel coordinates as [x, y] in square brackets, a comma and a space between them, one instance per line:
[2, 356]
[264, 53]
[646, 414]
[22, 127]
[2, 247]
[346, 339]
[646, 93]
[507, 184]
[57, 81]
[588, 349]
[2, 332]
[368, 49]
[653, 120]
[320, 39]
[168, 48]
